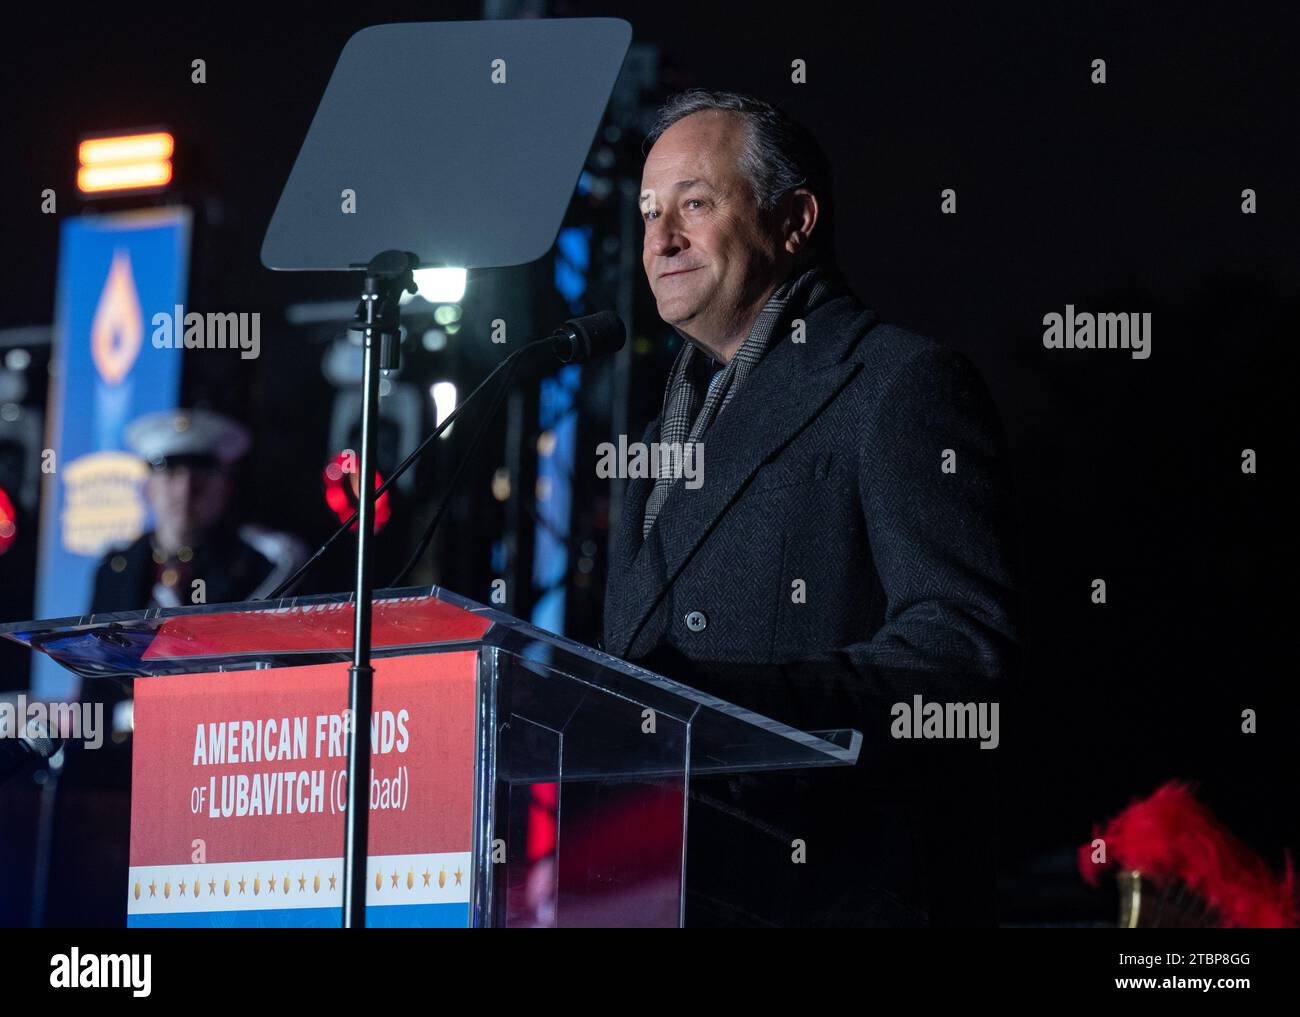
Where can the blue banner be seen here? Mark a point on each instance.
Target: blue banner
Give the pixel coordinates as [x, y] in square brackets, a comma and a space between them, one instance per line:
[115, 273]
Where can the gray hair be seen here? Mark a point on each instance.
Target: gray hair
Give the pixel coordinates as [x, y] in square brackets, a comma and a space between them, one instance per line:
[779, 154]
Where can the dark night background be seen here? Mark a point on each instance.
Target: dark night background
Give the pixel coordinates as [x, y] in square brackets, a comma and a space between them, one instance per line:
[1119, 197]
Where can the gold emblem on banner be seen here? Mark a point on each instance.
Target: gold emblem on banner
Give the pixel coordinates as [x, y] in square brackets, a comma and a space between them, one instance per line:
[102, 502]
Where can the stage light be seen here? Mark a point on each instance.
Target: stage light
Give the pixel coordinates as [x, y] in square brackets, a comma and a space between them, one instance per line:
[440, 285]
[343, 490]
[154, 147]
[501, 488]
[129, 162]
[444, 401]
[8, 522]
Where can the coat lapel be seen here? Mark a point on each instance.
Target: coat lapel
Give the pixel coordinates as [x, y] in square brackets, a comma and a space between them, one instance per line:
[762, 418]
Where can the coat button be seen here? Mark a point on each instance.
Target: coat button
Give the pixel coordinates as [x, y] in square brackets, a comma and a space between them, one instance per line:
[696, 622]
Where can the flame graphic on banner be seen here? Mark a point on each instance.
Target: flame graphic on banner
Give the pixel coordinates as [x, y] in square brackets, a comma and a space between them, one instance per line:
[117, 332]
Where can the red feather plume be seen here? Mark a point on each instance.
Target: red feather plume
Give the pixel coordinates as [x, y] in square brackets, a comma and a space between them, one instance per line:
[1173, 837]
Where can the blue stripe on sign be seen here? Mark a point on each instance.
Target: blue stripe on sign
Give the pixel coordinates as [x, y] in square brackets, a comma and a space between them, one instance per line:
[392, 916]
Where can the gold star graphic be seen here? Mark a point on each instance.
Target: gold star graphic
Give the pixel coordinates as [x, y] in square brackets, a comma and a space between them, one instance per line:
[167, 888]
[332, 881]
[394, 877]
[153, 889]
[182, 888]
[212, 888]
[458, 875]
[426, 877]
[241, 885]
[270, 887]
[302, 884]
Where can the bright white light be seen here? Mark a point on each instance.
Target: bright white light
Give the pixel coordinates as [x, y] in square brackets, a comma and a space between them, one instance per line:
[444, 401]
[439, 285]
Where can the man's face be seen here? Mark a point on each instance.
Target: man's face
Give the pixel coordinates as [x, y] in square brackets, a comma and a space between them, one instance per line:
[187, 500]
[709, 259]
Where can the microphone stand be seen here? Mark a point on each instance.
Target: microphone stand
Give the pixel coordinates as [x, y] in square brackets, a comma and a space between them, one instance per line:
[387, 276]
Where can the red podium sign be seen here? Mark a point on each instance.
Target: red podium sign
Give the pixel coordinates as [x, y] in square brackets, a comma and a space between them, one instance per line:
[239, 786]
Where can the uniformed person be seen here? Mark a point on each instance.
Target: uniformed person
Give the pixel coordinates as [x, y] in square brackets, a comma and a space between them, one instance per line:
[194, 553]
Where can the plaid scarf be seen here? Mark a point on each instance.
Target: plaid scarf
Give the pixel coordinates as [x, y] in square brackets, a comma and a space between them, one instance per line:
[691, 402]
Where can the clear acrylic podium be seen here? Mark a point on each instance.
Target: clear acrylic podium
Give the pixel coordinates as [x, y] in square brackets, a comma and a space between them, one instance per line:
[526, 779]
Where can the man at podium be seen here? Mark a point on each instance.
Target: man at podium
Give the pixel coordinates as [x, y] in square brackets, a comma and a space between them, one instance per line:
[842, 559]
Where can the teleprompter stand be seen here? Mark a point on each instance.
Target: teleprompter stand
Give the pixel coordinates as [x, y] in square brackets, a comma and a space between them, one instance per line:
[388, 276]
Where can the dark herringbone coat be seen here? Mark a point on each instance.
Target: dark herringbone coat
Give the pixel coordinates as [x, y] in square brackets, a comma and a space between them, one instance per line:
[825, 474]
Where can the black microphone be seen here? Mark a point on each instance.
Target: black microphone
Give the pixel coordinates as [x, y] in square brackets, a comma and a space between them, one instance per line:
[26, 750]
[592, 335]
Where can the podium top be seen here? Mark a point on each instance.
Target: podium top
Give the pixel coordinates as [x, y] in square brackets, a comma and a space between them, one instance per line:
[318, 629]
